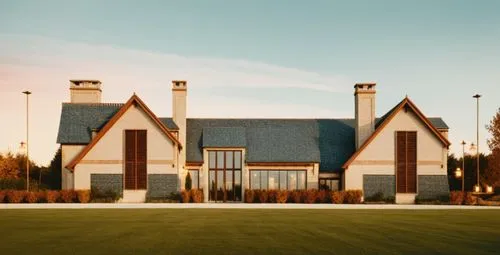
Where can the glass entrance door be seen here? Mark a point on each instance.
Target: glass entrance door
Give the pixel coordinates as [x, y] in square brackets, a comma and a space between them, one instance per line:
[224, 177]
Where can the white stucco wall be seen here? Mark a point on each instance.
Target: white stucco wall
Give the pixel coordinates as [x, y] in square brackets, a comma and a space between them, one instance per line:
[107, 156]
[68, 153]
[378, 158]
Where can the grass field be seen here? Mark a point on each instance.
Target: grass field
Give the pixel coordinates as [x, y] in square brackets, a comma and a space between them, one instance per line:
[213, 231]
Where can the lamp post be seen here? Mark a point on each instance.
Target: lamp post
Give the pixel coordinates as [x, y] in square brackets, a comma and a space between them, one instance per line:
[27, 93]
[477, 96]
[463, 165]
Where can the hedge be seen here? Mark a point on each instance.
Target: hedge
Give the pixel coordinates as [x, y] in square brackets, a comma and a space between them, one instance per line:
[303, 196]
[52, 196]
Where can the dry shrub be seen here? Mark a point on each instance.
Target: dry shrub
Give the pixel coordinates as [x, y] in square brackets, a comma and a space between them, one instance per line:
[353, 196]
[296, 196]
[197, 195]
[15, 196]
[83, 196]
[263, 196]
[68, 196]
[337, 197]
[53, 196]
[31, 197]
[185, 195]
[272, 196]
[249, 196]
[323, 196]
[3, 194]
[456, 197]
[312, 196]
[41, 196]
[282, 196]
[468, 199]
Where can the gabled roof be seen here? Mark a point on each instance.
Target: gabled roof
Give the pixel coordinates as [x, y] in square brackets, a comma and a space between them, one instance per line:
[79, 119]
[386, 119]
[134, 100]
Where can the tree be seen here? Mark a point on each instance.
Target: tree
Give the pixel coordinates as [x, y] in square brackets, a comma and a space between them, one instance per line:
[53, 174]
[188, 183]
[492, 175]
[9, 167]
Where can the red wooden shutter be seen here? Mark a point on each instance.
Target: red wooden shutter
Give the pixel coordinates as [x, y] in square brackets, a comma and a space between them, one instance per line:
[411, 172]
[401, 162]
[130, 149]
[141, 162]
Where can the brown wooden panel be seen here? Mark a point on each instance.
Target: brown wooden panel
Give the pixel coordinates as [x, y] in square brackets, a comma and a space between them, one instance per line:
[401, 162]
[411, 149]
[142, 159]
[130, 159]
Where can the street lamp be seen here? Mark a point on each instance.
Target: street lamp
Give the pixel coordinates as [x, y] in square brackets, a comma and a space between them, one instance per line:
[27, 93]
[478, 188]
[463, 165]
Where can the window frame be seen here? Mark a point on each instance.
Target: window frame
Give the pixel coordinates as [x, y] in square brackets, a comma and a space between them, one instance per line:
[286, 184]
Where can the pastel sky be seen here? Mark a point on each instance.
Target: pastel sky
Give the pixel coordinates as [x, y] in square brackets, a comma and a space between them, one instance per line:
[249, 59]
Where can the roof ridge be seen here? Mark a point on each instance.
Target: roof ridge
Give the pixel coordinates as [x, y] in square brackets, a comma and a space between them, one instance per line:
[92, 104]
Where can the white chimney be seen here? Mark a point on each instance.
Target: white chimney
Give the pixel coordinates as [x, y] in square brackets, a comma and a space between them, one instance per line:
[85, 91]
[179, 94]
[365, 111]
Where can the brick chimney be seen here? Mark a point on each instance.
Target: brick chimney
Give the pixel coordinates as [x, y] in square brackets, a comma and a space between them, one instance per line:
[85, 91]
[364, 94]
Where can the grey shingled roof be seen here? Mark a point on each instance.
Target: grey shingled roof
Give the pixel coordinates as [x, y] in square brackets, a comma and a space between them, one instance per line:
[224, 137]
[327, 141]
[78, 120]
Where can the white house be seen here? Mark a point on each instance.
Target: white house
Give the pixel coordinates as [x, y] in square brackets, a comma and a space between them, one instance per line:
[128, 149]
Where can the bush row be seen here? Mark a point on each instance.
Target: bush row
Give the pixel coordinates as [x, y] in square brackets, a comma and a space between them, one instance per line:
[461, 198]
[303, 196]
[50, 196]
[192, 196]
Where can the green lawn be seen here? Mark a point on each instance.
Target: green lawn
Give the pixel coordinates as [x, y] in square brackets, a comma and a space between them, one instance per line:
[211, 231]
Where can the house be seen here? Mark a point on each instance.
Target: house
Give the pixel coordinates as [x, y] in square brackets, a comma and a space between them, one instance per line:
[126, 148]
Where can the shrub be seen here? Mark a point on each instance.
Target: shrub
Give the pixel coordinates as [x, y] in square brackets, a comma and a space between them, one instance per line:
[108, 196]
[188, 182]
[67, 196]
[256, 196]
[2, 195]
[296, 196]
[323, 196]
[83, 196]
[249, 196]
[31, 197]
[272, 196]
[263, 196]
[337, 197]
[15, 196]
[282, 196]
[353, 197]
[456, 197]
[312, 196]
[41, 196]
[185, 194]
[468, 199]
[53, 196]
[197, 195]
[377, 197]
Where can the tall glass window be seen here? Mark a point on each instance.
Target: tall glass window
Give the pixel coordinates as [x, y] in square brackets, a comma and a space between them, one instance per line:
[225, 175]
[195, 179]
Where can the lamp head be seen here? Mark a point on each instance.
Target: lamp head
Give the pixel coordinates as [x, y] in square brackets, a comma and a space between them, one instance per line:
[27, 92]
[477, 96]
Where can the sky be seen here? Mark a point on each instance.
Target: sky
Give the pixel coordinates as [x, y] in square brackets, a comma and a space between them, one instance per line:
[260, 59]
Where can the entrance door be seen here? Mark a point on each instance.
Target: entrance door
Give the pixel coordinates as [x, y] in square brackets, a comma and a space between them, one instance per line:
[136, 159]
[224, 177]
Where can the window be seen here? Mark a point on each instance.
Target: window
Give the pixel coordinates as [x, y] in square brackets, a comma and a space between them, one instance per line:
[224, 175]
[406, 162]
[332, 184]
[278, 179]
[195, 179]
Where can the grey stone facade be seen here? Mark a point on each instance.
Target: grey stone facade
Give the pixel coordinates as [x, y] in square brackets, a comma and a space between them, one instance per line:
[372, 184]
[161, 185]
[105, 182]
[433, 186]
